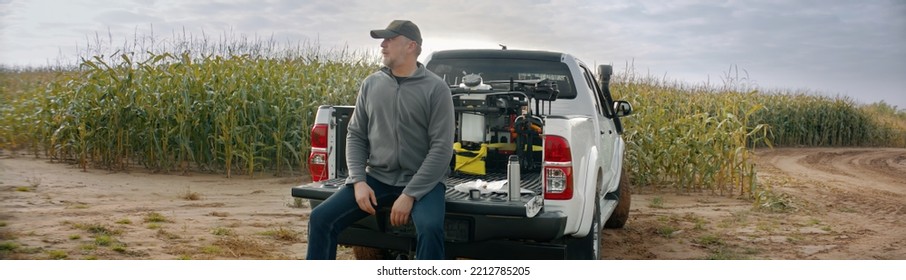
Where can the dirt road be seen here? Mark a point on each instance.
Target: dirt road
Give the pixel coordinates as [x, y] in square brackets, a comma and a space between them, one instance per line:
[828, 203]
[841, 203]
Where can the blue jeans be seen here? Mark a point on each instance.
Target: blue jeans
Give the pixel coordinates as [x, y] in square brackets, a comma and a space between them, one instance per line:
[340, 210]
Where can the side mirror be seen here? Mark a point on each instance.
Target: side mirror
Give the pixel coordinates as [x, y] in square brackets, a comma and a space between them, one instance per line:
[622, 108]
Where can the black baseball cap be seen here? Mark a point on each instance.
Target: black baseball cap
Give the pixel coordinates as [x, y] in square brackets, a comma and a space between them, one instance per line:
[399, 27]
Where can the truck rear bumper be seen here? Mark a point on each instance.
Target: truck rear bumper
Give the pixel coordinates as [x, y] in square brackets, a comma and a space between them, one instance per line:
[467, 221]
[496, 249]
[475, 236]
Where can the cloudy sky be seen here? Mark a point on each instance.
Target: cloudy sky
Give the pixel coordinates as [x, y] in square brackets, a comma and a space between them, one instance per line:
[853, 48]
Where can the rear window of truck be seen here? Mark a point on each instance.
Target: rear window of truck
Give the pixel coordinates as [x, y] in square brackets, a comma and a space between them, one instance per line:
[500, 70]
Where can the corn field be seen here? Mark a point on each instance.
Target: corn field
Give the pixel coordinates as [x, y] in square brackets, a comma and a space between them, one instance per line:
[812, 120]
[692, 139]
[242, 107]
[178, 112]
[701, 138]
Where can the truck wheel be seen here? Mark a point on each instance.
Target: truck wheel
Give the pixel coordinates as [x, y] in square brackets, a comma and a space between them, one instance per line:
[369, 253]
[621, 213]
[588, 247]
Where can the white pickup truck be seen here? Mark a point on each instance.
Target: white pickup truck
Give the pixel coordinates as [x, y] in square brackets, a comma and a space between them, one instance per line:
[543, 110]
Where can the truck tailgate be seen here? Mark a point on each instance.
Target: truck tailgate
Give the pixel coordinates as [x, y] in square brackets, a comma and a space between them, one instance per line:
[457, 202]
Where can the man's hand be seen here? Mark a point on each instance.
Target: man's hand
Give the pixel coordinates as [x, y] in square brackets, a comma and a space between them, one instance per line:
[364, 196]
[402, 207]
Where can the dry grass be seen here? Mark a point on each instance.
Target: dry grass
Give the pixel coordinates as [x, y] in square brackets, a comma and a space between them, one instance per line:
[297, 203]
[283, 234]
[34, 181]
[220, 214]
[657, 202]
[161, 233]
[154, 217]
[221, 231]
[226, 247]
[8, 246]
[190, 195]
[104, 240]
[246, 248]
[57, 255]
[96, 228]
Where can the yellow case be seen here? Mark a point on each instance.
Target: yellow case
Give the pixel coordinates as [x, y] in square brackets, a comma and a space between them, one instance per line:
[469, 161]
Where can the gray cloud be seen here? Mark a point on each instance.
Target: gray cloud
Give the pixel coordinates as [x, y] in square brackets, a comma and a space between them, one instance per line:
[6, 8]
[838, 45]
[826, 45]
[124, 17]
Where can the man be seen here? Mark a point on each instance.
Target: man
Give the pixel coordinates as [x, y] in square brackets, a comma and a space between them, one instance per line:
[398, 150]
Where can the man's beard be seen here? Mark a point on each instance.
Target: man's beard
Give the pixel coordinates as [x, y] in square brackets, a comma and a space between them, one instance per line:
[388, 61]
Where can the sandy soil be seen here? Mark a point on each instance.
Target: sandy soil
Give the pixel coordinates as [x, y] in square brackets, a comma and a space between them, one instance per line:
[828, 203]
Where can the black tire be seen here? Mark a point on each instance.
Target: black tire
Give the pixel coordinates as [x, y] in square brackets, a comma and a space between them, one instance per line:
[369, 253]
[588, 247]
[621, 213]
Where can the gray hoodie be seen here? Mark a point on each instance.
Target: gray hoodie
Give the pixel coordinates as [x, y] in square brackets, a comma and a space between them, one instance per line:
[402, 133]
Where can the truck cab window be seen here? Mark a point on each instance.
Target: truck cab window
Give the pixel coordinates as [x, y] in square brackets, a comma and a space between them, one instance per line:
[590, 83]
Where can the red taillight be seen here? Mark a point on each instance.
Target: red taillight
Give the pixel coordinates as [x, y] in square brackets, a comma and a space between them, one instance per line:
[556, 149]
[317, 160]
[319, 136]
[558, 168]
